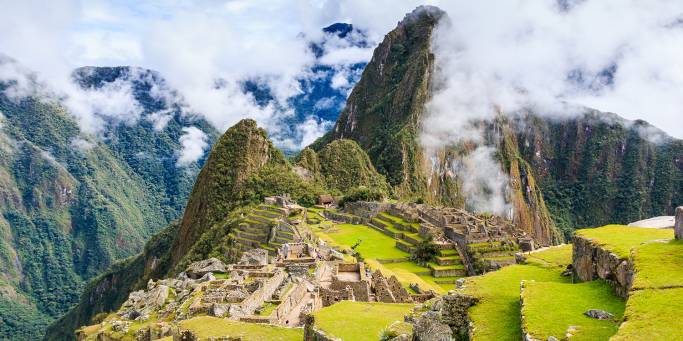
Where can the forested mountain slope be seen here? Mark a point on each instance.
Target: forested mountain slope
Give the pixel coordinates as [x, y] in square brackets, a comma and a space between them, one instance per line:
[72, 203]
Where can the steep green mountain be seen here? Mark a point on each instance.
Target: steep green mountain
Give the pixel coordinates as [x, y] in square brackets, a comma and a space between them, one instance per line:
[341, 166]
[587, 170]
[71, 204]
[242, 168]
[598, 168]
[383, 111]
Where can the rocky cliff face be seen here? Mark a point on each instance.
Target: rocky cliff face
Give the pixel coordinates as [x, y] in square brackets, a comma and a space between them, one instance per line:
[596, 168]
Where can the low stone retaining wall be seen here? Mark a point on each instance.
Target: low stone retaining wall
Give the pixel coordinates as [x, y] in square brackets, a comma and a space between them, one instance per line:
[591, 261]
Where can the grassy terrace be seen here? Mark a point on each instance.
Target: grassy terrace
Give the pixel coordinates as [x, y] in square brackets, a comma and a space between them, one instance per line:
[655, 302]
[205, 327]
[621, 239]
[376, 246]
[359, 321]
[550, 309]
[497, 315]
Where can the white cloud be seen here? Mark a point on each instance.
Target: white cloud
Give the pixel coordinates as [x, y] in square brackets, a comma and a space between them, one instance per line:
[82, 144]
[93, 107]
[498, 48]
[194, 143]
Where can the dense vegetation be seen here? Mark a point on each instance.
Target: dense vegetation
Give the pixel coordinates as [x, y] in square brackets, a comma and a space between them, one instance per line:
[72, 204]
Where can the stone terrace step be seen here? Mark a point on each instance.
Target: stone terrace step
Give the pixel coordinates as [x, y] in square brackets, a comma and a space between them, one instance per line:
[448, 252]
[387, 227]
[275, 209]
[404, 246]
[247, 235]
[398, 222]
[448, 260]
[447, 270]
[266, 214]
[261, 219]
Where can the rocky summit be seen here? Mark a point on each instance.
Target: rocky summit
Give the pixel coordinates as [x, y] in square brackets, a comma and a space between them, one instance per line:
[539, 228]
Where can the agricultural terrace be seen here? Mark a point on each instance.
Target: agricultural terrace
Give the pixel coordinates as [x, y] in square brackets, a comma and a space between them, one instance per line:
[379, 252]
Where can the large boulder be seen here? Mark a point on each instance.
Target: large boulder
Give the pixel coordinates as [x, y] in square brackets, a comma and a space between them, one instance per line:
[198, 269]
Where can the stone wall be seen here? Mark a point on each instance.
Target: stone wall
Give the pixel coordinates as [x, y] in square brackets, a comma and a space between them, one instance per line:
[289, 302]
[366, 210]
[265, 292]
[590, 262]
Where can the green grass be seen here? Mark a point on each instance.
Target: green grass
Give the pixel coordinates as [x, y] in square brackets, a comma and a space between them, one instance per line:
[374, 244]
[560, 256]
[658, 265]
[206, 327]
[652, 315]
[359, 321]
[551, 308]
[496, 316]
[621, 239]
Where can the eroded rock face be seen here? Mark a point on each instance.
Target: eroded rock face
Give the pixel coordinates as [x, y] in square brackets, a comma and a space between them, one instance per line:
[203, 267]
[429, 327]
[592, 262]
[678, 225]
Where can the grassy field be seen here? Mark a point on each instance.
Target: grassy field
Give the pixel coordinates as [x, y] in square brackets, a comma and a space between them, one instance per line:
[550, 308]
[359, 321]
[559, 256]
[653, 314]
[206, 326]
[658, 265]
[621, 239]
[373, 243]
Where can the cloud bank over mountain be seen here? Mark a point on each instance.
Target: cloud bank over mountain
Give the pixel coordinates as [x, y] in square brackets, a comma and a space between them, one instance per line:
[620, 56]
